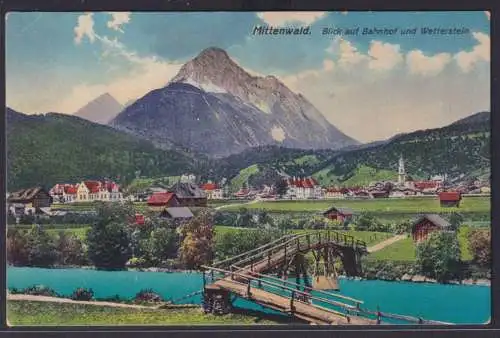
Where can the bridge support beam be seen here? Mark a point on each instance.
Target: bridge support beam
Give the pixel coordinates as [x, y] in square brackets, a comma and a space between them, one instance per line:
[217, 301]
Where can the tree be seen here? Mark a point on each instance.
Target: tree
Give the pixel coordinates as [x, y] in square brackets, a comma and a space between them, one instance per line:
[264, 219]
[197, 240]
[480, 246]
[456, 220]
[281, 187]
[439, 256]
[163, 245]
[41, 248]
[108, 240]
[70, 249]
[17, 247]
[366, 222]
[244, 219]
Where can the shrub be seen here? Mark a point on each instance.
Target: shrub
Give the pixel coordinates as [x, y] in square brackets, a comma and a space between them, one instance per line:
[40, 290]
[82, 294]
[147, 295]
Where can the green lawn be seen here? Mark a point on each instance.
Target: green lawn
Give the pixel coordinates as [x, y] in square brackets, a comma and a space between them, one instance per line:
[403, 205]
[404, 250]
[54, 314]
[80, 233]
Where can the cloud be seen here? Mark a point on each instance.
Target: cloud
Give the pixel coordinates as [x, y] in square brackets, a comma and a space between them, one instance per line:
[84, 28]
[480, 52]
[144, 73]
[347, 54]
[328, 65]
[418, 63]
[281, 18]
[384, 56]
[118, 19]
[354, 95]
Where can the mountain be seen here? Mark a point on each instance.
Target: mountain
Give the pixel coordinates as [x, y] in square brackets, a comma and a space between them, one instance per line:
[478, 118]
[58, 148]
[214, 106]
[100, 110]
[460, 150]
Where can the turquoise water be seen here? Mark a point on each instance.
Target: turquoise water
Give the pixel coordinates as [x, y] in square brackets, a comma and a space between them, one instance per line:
[459, 304]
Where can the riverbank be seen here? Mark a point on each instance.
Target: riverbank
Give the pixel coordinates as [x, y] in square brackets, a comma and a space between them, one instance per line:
[422, 279]
[44, 313]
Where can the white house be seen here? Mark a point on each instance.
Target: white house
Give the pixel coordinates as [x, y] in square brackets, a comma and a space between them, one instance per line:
[188, 178]
[303, 188]
[106, 191]
[213, 191]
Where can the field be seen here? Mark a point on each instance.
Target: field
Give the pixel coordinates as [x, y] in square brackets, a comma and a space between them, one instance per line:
[370, 237]
[403, 205]
[404, 250]
[57, 314]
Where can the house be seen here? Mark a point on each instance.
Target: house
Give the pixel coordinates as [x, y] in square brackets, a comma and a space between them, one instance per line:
[332, 193]
[213, 191]
[189, 194]
[64, 193]
[303, 188]
[32, 198]
[242, 193]
[450, 199]
[163, 199]
[107, 191]
[140, 219]
[339, 214]
[379, 194]
[177, 213]
[426, 224]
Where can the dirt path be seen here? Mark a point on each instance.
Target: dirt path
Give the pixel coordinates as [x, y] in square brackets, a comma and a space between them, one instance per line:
[385, 243]
[70, 301]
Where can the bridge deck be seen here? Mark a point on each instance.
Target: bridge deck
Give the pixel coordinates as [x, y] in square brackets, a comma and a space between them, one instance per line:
[308, 312]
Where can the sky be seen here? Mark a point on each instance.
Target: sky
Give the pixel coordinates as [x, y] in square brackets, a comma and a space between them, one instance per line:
[369, 86]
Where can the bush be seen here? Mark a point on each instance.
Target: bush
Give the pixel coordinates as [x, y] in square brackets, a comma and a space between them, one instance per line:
[82, 294]
[147, 295]
[40, 290]
[17, 247]
[41, 247]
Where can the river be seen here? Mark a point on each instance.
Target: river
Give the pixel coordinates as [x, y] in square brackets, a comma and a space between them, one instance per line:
[459, 304]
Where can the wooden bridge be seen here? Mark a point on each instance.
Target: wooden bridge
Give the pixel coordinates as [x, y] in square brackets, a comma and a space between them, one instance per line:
[252, 276]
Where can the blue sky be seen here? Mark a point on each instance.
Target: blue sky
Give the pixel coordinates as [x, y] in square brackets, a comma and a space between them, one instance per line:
[61, 61]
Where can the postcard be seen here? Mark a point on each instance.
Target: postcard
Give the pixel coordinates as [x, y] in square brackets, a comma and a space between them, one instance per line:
[248, 168]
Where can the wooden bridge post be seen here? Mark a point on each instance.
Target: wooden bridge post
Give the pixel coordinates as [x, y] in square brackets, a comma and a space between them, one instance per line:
[319, 237]
[292, 309]
[269, 258]
[212, 275]
[231, 268]
[204, 281]
[308, 237]
[336, 237]
[328, 236]
[345, 239]
[249, 294]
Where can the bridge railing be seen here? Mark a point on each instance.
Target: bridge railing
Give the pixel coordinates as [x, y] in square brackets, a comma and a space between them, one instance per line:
[306, 296]
[301, 242]
[231, 260]
[295, 296]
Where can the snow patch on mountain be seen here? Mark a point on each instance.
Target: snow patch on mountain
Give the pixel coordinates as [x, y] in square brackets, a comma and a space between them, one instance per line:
[278, 134]
[208, 87]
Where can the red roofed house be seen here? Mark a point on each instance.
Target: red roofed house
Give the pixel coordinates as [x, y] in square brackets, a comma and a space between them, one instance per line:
[163, 199]
[64, 193]
[450, 199]
[212, 190]
[98, 191]
[334, 193]
[303, 188]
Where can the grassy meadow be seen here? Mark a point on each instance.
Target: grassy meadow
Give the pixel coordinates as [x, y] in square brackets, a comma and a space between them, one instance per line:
[32, 313]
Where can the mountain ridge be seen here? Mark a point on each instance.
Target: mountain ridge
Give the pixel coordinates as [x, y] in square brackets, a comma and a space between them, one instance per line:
[238, 111]
[100, 110]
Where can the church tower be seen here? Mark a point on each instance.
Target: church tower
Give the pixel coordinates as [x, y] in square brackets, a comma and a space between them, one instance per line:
[401, 171]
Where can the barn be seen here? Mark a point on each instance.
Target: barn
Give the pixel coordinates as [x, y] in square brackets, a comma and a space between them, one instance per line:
[339, 214]
[427, 224]
[450, 199]
[163, 199]
[189, 194]
[35, 198]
